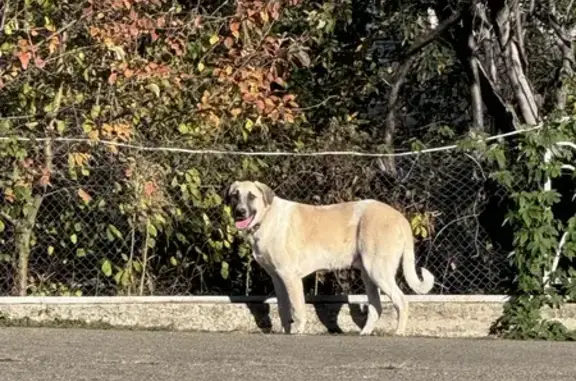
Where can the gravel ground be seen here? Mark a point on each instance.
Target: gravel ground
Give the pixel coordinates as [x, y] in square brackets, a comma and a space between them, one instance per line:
[38, 354]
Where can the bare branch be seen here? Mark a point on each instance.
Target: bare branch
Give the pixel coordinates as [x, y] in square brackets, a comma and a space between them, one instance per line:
[406, 60]
[4, 14]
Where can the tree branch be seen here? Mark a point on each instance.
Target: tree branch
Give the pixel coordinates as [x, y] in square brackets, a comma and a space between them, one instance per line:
[8, 218]
[427, 39]
[472, 60]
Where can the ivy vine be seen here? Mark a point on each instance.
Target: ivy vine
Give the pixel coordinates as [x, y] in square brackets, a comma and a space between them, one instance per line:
[519, 167]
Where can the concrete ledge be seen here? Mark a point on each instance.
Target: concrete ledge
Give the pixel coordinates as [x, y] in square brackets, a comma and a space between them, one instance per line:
[430, 315]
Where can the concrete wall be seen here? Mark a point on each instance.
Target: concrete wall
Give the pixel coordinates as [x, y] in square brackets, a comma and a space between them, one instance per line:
[441, 316]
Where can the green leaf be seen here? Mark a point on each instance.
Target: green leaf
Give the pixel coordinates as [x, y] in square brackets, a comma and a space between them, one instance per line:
[118, 276]
[249, 124]
[126, 278]
[214, 39]
[74, 238]
[137, 266]
[224, 270]
[60, 126]
[95, 111]
[183, 128]
[50, 250]
[152, 230]
[80, 253]
[173, 261]
[154, 88]
[107, 268]
[2, 226]
[112, 232]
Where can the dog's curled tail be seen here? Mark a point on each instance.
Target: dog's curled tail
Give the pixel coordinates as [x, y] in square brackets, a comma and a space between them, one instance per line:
[409, 269]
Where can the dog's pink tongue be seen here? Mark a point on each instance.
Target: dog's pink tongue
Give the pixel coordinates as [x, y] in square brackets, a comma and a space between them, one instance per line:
[243, 224]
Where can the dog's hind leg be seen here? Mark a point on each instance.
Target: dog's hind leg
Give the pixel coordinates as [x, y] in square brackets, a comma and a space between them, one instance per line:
[374, 304]
[382, 273]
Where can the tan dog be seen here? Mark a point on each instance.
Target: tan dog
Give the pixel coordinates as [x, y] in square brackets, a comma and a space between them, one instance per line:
[291, 240]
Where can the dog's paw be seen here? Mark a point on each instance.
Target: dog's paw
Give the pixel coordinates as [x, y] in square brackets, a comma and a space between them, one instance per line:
[297, 329]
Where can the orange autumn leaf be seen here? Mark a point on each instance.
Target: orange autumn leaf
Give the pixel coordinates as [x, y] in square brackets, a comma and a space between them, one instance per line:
[149, 188]
[24, 58]
[234, 26]
[84, 195]
[289, 118]
[45, 179]
[112, 78]
[9, 195]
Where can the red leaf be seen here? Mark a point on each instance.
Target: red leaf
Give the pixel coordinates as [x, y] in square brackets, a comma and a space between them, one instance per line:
[248, 98]
[154, 36]
[27, 163]
[260, 105]
[112, 78]
[24, 58]
[133, 29]
[228, 42]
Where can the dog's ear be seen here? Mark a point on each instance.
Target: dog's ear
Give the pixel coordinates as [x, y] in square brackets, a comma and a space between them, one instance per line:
[267, 192]
[228, 191]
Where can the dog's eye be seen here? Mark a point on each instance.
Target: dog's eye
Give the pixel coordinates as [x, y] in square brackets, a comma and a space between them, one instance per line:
[251, 197]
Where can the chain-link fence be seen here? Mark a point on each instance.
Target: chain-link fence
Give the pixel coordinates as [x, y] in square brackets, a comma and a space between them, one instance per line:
[93, 219]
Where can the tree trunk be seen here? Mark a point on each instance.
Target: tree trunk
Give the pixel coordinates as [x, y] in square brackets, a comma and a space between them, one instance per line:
[566, 46]
[23, 236]
[511, 51]
[473, 63]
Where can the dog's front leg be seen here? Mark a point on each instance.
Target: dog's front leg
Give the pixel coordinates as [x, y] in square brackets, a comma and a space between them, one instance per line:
[295, 292]
[283, 302]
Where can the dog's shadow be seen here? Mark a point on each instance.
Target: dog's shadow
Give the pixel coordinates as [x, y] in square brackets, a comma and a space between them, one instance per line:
[261, 314]
[327, 314]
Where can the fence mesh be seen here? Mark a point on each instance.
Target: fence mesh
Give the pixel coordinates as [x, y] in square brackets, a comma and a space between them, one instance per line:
[123, 221]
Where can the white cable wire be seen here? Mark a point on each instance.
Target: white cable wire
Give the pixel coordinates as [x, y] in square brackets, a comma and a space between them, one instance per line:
[248, 153]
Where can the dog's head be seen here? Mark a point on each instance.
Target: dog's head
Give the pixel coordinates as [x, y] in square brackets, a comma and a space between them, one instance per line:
[249, 201]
